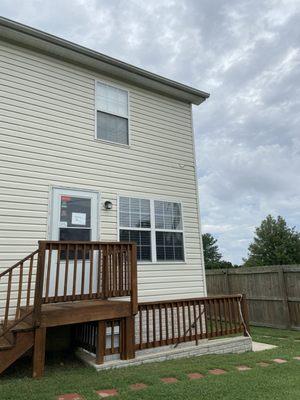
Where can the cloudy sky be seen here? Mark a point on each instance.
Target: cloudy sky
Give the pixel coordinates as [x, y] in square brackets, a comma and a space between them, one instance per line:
[247, 55]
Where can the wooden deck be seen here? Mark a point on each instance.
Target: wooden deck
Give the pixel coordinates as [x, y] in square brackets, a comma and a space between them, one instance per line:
[66, 283]
[83, 311]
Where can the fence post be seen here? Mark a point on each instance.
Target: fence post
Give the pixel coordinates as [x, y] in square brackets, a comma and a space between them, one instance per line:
[245, 313]
[39, 283]
[285, 303]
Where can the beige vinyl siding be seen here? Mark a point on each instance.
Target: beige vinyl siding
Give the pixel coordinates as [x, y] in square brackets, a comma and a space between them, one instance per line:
[47, 130]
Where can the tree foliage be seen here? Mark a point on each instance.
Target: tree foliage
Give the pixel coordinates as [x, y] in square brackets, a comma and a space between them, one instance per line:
[212, 254]
[274, 244]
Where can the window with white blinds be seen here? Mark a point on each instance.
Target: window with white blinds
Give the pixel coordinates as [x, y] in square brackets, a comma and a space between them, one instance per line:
[112, 114]
[155, 226]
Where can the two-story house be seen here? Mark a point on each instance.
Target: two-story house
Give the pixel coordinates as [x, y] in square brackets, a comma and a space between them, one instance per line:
[97, 162]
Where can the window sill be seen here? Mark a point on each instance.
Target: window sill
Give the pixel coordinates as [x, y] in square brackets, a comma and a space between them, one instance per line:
[126, 146]
[161, 262]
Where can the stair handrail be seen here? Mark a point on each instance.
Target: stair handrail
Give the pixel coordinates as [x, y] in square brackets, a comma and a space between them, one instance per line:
[6, 327]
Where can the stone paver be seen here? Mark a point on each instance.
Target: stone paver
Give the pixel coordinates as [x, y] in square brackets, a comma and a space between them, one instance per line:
[195, 375]
[279, 360]
[243, 368]
[138, 386]
[107, 393]
[69, 396]
[263, 364]
[169, 380]
[297, 358]
[217, 371]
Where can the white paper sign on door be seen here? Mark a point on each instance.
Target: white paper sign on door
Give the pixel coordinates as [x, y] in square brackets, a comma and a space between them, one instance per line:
[78, 218]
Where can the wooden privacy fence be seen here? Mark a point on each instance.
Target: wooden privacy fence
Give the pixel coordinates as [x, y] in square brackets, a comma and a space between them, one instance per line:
[168, 323]
[273, 292]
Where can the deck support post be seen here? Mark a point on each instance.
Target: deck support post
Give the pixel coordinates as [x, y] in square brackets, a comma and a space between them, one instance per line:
[101, 342]
[127, 340]
[39, 352]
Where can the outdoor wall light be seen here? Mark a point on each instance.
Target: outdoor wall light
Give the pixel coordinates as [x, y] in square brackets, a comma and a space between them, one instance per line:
[108, 205]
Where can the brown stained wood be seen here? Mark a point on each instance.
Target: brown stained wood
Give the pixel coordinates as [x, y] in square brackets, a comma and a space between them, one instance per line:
[17, 314]
[114, 271]
[39, 352]
[75, 271]
[153, 322]
[101, 342]
[113, 336]
[91, 271]
[57, 275]
[7, 303]
[99, 269]
[178, 319]
[195, 320]
[39, 281]
[66, 271]
[23, 342]
[48, 273]
[160, 323]
[147, 326]
[56, 314]
[133, 280]
[141, 326]
[83, 269]
[29, 281]
[219, 304]
[201, 310]
[184, 321]
[172, 323]
[105, 272]
[128, 338]
[189, 320]
[166, 320]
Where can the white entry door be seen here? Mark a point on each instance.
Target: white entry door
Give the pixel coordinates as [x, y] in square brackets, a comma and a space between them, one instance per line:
[74, 217]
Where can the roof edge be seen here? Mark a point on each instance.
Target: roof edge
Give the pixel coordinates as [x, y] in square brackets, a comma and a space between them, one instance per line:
[64, 49]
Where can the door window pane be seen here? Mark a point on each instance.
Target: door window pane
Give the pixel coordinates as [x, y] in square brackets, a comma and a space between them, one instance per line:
[75, 212]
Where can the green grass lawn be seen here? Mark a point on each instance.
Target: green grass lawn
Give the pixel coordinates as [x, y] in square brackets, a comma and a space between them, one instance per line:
[64, 374]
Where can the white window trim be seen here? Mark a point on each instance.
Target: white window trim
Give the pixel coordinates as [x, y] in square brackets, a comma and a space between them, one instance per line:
[122, 116]
[152, 229]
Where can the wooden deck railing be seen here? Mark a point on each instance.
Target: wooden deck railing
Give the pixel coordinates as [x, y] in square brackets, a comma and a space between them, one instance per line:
[18, 284]
[61, 271]
[170, 322]
[176, 321]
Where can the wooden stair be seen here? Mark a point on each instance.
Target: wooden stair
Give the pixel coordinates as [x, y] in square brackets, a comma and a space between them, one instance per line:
[31, 305]
[15, 343]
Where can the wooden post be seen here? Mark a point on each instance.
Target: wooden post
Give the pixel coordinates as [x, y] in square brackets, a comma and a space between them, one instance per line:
[127, 339]
[285, 303]
[39, 284]
[134, 304]
[39, 352]
[245, 313]
[101, 342]
[105, 273]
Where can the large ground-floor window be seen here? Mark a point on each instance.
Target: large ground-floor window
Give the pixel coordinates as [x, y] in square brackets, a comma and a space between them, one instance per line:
[156, 227]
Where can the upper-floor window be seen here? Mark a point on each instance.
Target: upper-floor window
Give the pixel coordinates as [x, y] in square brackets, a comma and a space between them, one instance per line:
[112, 114]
